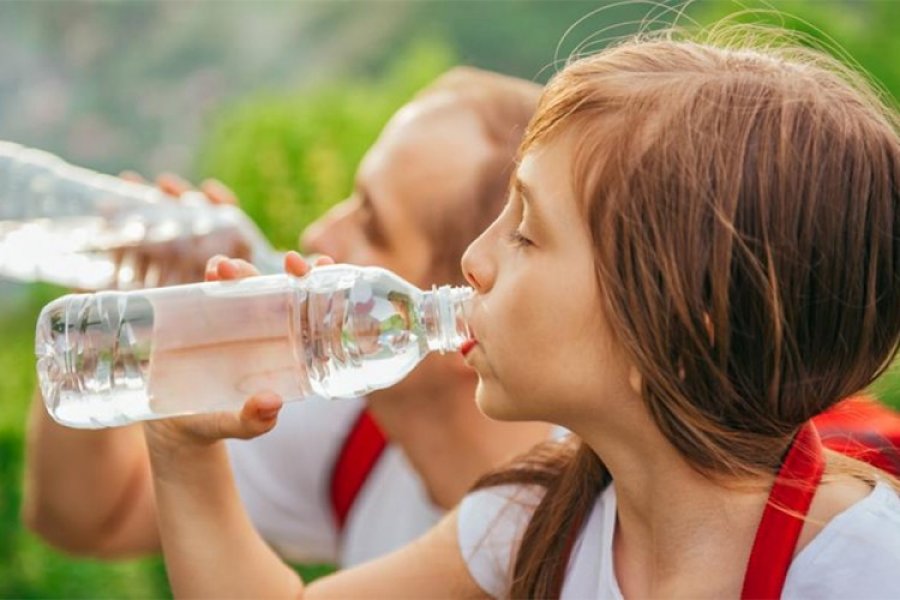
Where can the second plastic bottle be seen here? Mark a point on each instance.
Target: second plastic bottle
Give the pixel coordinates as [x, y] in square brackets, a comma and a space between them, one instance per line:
[112, 358]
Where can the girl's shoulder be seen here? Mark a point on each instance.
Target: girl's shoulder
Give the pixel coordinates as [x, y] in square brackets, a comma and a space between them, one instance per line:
[857, 554]
[491, 522]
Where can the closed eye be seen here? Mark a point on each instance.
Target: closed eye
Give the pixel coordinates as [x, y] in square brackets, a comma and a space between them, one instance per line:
[371, 225]
[516, 238]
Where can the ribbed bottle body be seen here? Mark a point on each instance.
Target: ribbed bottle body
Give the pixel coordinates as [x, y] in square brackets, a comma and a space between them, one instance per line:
[112, 358]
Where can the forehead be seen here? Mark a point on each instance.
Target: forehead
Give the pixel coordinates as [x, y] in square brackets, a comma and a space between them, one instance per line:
[546, 171]
[429, 159]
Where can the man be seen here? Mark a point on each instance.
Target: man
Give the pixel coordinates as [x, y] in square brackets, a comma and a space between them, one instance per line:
[323, 486]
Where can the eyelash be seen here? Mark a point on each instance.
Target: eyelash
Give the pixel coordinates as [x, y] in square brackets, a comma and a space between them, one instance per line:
[371, 228]
[517, 239]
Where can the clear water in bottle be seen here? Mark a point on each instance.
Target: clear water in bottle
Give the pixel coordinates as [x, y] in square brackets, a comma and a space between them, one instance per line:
[68, 225]
[60, 250]
[112, 358]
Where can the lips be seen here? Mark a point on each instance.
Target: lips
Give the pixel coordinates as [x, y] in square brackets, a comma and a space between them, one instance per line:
[467, 346]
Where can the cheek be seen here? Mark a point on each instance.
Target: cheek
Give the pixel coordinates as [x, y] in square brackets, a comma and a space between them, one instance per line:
[553, 361]
[523, 359]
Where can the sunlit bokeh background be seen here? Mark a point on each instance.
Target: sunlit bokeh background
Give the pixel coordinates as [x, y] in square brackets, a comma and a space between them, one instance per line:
[279, 100]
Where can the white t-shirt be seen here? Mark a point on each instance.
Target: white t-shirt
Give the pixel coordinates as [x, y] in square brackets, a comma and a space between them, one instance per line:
[283, 478]
[856, 555]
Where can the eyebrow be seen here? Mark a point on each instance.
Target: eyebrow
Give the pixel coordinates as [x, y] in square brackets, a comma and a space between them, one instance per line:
[527, 196]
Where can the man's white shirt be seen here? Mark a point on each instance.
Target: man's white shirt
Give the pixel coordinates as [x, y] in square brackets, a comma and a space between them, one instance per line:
[284, 478]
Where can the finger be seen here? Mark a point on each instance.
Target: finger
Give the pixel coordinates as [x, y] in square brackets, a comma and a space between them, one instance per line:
[262, 406]
[235, 268]
[226, 270]
[258, 416]
[242, 268]
[295, 264]
[142, 262]
[132, 176]
[173, 184]
[165, 274]
[116, 256]
[322, 261]
[212, 267]
[218, 192]
[152, 277]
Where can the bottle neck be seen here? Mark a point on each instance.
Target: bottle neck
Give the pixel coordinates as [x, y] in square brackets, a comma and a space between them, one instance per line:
[268, 260]
[263, 256]
[444, 313]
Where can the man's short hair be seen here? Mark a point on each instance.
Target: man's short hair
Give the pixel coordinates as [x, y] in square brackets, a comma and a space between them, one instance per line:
[503, 106]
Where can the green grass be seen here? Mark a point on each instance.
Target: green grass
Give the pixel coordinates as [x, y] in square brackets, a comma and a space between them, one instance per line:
[28, 567]
[887, 388]
[31, 569]
[289, 158]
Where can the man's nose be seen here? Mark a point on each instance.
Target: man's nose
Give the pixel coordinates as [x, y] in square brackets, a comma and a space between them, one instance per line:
[328, 234]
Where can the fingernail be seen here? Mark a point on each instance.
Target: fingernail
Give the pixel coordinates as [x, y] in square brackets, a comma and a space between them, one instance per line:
[227, 268]
[267, 414]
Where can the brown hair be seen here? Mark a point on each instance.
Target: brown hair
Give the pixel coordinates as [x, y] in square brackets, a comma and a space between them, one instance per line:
[747, 245]
[503, 106]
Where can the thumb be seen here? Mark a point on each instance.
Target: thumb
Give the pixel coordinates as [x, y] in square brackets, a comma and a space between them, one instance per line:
[258, 416]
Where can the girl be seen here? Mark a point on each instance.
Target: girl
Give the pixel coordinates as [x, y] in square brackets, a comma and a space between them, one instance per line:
[700, 253]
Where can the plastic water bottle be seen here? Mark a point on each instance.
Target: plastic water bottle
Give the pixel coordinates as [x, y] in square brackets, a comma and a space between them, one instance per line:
[64, 224]
[111, 358]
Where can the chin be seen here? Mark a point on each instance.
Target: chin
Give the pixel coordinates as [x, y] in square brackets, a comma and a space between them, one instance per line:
[497, 406]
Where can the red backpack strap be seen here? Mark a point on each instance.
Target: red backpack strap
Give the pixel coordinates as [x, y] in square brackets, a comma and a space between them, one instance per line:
[362, 447]
[784, 516]
[864, 429]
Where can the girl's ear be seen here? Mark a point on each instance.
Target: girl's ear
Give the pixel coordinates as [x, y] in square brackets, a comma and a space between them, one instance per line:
[635, 380]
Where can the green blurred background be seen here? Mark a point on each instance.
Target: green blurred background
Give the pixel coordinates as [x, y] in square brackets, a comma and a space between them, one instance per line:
[280, 101]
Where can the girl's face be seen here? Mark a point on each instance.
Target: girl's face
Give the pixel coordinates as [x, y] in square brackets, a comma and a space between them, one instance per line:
[544, 351]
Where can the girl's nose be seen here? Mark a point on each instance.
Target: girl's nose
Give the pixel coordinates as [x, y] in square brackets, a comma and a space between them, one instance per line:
[477, 265]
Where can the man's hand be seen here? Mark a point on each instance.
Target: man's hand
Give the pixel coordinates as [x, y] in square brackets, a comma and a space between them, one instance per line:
[182, 260]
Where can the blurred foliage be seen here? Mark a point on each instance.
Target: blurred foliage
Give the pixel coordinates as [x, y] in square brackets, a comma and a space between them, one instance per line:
[290, 155]
[861, 33]
[28, 568]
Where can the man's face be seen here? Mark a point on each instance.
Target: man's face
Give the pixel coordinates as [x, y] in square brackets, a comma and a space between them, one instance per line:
[425, 167]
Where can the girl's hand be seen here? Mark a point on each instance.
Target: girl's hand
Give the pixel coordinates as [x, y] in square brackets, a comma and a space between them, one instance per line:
[175, 435]
[259, 413]
[222, 268]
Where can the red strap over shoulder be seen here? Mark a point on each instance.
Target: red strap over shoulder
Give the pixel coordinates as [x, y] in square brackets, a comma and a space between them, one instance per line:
[865, 429]
[783, 518]
[362, 448]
